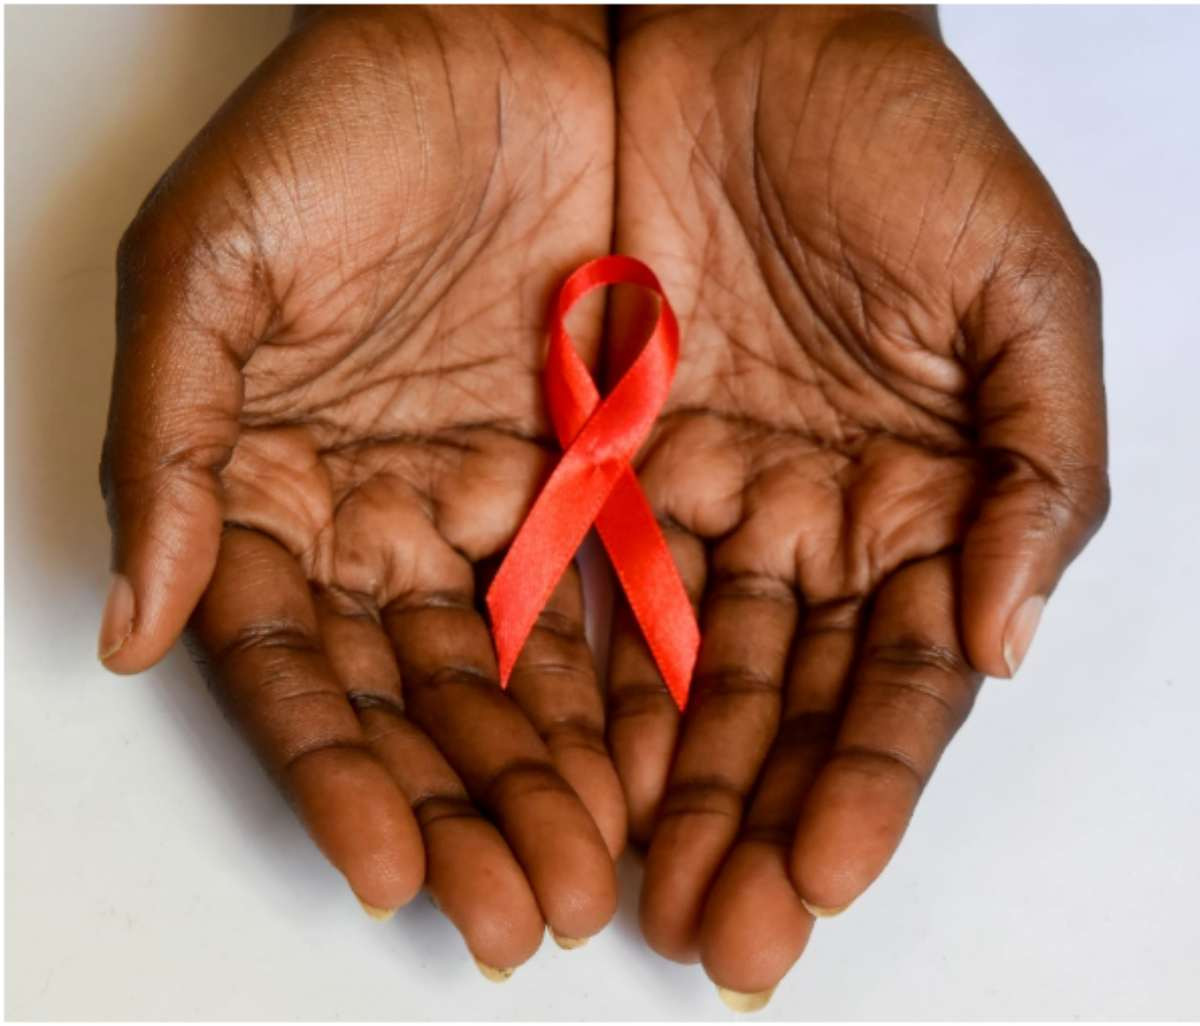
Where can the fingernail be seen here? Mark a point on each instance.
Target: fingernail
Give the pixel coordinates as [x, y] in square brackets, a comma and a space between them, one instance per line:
[490, 972]
[1020, 631]
[382, 914]
[740, 1002]
[821, 912]
[117, 622]
[567, 943]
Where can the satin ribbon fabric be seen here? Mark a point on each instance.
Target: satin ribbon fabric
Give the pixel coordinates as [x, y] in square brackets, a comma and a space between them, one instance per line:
[594, 482]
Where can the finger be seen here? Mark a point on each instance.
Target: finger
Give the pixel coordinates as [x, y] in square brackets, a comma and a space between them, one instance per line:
[554, 682]
[471, 873]
[910, 691]
[1040, 409]
[183, 330]
[643, 720]
[755, 926]
[448, 670]
[259, 638]
[732, 718]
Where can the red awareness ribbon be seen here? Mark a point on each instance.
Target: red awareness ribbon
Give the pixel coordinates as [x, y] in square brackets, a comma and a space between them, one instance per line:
[594, 482]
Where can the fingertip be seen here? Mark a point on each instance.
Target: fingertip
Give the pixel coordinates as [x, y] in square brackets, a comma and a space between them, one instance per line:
[983, 625]
[492, 973]
[144, 641]
[745, 1002]
[991, 591]
[558, 845]
[850, 829]
[820, 912]
[142, 622]
[567, 943]
[166, 553]
[755, 926]
[1023, 539]
[361, 821]
[478, 885]
[380, 915]
[682, 861]
[664, 934]
[116, 622]
[582, 902]
[998, 630]
[502, 942]
[1018, 635]
[140, 648]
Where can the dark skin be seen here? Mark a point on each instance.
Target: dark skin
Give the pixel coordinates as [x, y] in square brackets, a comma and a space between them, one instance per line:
[884, 443]
[327, 419]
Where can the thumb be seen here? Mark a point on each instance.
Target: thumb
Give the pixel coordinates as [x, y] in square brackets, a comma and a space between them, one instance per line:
[1041, 428]
[172, 425]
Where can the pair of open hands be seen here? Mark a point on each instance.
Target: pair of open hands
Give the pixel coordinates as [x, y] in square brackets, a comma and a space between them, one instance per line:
[884, 443]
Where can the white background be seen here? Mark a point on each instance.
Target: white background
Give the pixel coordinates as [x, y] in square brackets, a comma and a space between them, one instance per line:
[1053, 869]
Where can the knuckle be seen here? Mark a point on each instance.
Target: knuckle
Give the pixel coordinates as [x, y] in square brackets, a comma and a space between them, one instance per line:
[518, 781]
[434, 808]
[575, 732]
[915, 653]
[275, 638]
[702, 796]
[1089, 270]
[131, 248]
[577, 675]
[1075, 494]
[1092, 495]
[643, 699]
[933, 707]
[448, 680]
[751, 587]
[882, 764]
[735, 682]
[135, 238]
[144, 235]
[386, 700]
[560, 626]
[1078, 503]
[183, 242]
[318, 750]
[810, 729]
[920, 677]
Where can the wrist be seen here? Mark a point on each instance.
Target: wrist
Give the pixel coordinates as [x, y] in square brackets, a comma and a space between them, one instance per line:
[819, 19]
[587, 22]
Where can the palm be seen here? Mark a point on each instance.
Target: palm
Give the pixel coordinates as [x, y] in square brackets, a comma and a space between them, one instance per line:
[400, 194]
[821, 271]
[828, 242]
[400, 371]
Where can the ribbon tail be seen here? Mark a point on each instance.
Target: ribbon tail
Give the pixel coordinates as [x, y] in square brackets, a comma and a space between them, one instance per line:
[546, 543]
[651, 582]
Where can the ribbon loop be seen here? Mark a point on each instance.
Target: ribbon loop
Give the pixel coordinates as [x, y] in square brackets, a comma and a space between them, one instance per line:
[594, 482]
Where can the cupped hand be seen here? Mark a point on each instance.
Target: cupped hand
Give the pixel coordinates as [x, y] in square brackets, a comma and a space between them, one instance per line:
[885, 442]
[326, 422]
